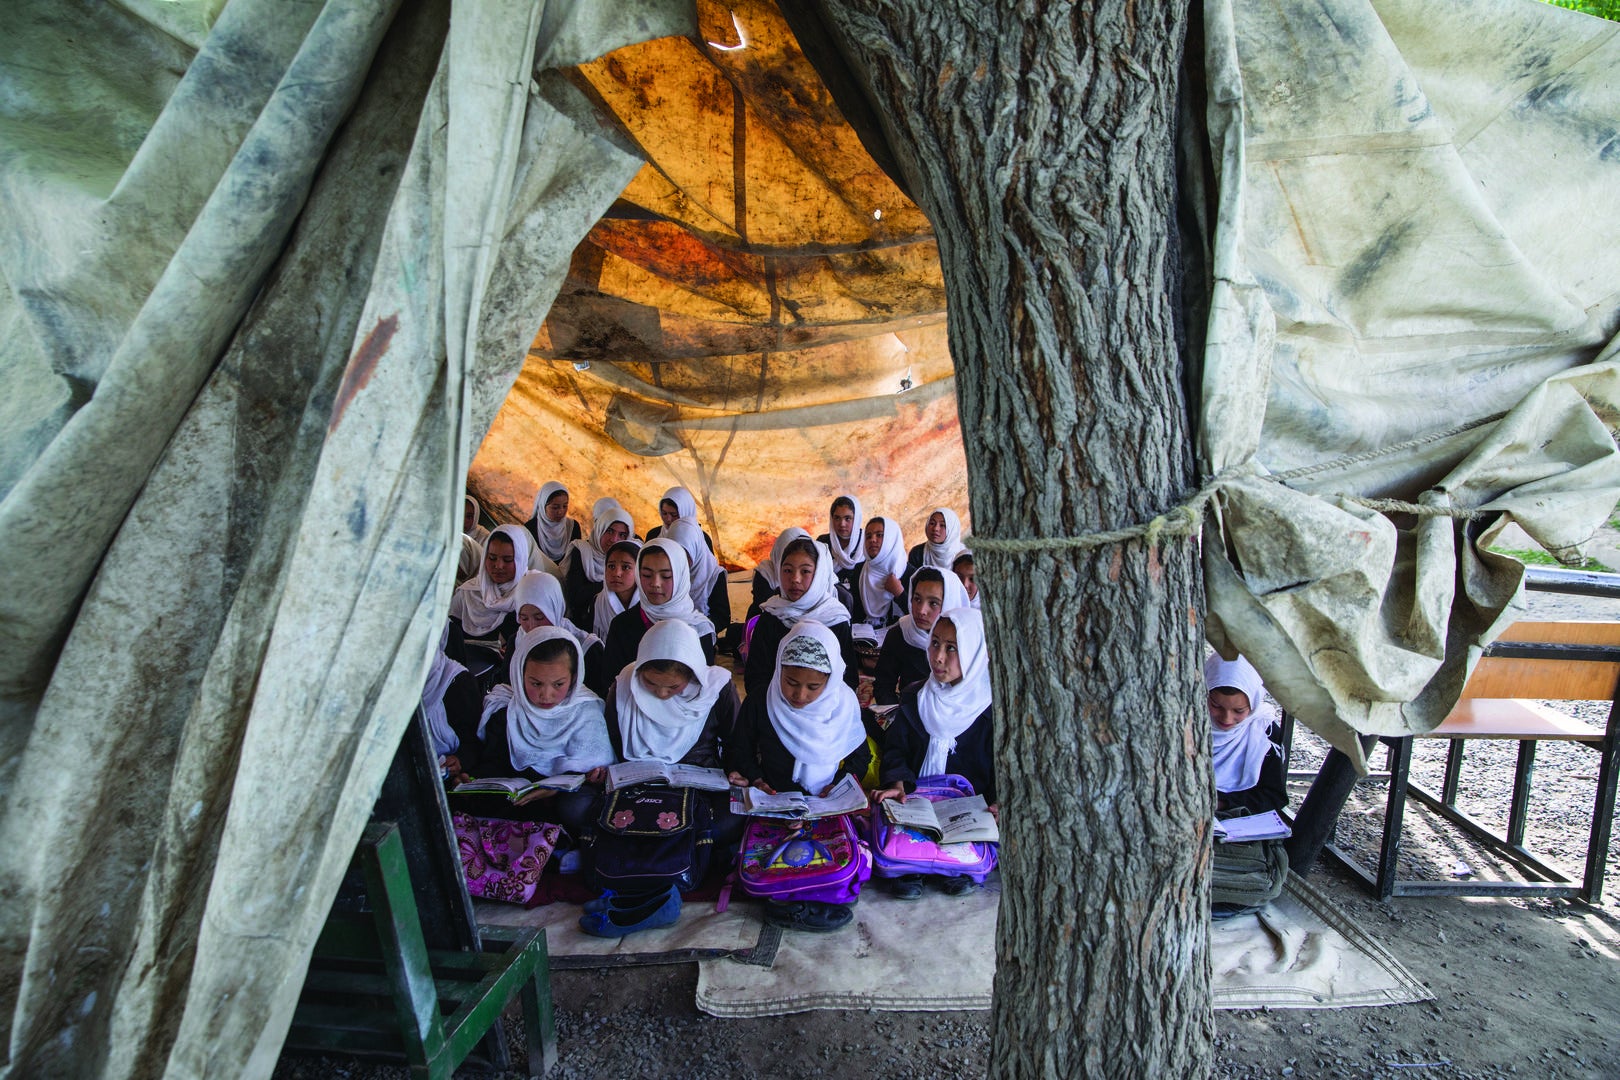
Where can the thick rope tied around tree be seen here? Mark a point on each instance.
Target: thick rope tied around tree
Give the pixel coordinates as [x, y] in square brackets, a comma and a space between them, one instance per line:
[1187, 518]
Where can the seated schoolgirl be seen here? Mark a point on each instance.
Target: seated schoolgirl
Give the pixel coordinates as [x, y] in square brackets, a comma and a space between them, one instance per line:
[553, 530]
[968, 575]
[538, 602]
[802, 734]
[943, 540]
[677, 503]
[450, 704]
[546, 722]
[470, 525]
[880, 590]
[903, 660]
[482, 605]
[805, 570]
[472, 556]
[618, 592]
[672, 705]
[845, 538]
[709, 592]
[945, 726]
[582, 572]
[1250, 774]
[765, 583]
[665, 584]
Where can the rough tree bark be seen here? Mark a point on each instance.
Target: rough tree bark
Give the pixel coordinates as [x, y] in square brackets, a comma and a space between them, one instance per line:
[1038, 137]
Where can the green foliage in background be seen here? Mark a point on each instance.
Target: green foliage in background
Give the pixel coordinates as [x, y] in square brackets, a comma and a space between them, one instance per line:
[1541, 558]
[1603, 9]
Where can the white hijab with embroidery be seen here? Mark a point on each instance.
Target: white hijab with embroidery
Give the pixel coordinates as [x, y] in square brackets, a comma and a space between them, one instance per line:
[588, 551]
[948, 709]
[846, 556]
[538, 738]
[820, 602]
[654, 729]
[1239, 752]
[941, 555]
[552, 536]
[679, 605]
[480, 603]
[827, 730]
[891, 559]
[955, 597]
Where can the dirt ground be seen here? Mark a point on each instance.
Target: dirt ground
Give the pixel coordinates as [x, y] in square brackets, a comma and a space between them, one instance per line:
[1522, 988]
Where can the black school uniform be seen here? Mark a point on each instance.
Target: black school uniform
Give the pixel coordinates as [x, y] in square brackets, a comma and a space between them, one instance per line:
[761, 591]
[756, 751]
[658, 530]
[900, 666]
[846, 578]
[1270, 792]
[905, 743]
[624, 638]
[768, 635]
[898, 605]
[573, 810]
[579, 594]
[463, 702]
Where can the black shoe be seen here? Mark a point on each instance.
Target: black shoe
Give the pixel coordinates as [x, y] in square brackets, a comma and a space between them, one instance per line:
[811, 916]
[956, 885]
[906, 887]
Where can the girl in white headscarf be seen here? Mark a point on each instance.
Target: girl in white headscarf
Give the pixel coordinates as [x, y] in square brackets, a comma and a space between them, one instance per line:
[708, 588]
[967, 572]
[470, 526]
[943, 540]
[538, 602]
[880, 590]
[1250, 773]
[665, 584]
[766, 584]
[945, 726]
[450, 705]
[483, 604]
[903, 659]
[587, 558]
[676, 504]
[544, 723]
[619, 592]
[804, 568]
[845, 538]
[551, 526]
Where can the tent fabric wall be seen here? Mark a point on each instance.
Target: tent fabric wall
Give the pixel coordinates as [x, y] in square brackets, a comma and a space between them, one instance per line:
[268, 296]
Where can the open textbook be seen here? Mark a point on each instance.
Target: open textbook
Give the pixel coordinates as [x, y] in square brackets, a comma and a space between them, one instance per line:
[1266, 826]
[950, 821]
[515, 787]
[846, 797]
[630, 773]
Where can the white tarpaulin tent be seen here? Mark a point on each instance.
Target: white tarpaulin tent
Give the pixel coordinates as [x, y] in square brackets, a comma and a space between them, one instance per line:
[272, 268]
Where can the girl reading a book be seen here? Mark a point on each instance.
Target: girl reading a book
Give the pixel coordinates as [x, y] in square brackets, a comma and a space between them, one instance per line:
[879, 592]
[1250, 775]
[450, 704]
[546, 722]
[618, 593]
[803, 733]
[805, 572]
[903, 660]
[482, 606]
[844, 538]
[587, 560]
[666, 593]
[944, 726]
[537, 602]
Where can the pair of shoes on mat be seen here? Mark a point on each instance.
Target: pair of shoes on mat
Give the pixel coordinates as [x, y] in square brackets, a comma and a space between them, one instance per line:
[628, 915]
[906, 887]
[811, 916]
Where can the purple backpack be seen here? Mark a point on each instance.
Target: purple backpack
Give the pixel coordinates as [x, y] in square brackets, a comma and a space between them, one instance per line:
[897, 851]
[803, 860]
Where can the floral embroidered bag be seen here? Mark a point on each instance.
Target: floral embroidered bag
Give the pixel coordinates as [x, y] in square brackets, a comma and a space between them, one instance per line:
[650, 837]
[502, 859]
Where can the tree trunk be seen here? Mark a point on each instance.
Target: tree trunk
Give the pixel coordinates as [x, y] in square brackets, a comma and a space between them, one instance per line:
[1039, 139]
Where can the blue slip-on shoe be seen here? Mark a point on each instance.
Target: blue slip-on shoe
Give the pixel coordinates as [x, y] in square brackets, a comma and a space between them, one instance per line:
[662, 910]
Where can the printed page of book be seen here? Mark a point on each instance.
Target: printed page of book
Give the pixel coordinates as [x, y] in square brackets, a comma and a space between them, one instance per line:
[846, 797]
[1266, 826]
[914, 812]
[501, 785]
[696, 776]
[965, 820]
[630, 773]
[782, 804]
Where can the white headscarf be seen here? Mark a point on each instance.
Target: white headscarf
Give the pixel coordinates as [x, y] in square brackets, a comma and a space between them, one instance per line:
[824, 732]
[891, 559]
[607, 606]
[481, 604]
[680, 604]
[820, 602]
[955, 597]
[441, 673]
[590, 552]
[942, 555]
[685, 504]
[846, 556]
[602, 504]
[538, 738]
[703, 568]
[664, 730]
[552, 536]
[477, 532]
[948, 709]
[770, 568]
[541, 590]
[472, 556]
[1240, 752]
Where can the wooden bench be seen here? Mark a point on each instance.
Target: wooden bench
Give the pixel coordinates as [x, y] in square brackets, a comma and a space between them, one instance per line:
[374, 988]
[1533, 661]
